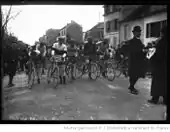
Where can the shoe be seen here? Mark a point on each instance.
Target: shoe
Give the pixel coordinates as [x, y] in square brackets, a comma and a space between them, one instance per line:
[10, 85]
[133, 91]
[152, 101]
[73, 78]
[38, 80]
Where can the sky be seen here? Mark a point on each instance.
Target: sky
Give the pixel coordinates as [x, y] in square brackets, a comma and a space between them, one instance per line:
[34, 20]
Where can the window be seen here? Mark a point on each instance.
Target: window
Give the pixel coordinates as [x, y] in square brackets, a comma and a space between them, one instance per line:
[125, 31]
[112, 25]
[116, 24]
[153, 29]
[110, 8]
[114, 41]
[106, 9]
[108, 26]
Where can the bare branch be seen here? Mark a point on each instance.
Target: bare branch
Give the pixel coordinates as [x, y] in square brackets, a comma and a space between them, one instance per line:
[7, 17]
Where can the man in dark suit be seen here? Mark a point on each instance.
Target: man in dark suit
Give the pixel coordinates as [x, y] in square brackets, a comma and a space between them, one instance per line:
[136, 59]
[90, 51]
[159, 70]
[10, 62]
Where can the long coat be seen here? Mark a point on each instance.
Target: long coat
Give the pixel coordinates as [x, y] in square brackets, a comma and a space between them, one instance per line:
[136, 58]
[159, 69]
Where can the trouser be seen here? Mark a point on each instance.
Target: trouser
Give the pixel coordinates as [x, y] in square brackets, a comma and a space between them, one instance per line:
[22, 64]
[133, 80]
[12, 71]
[62, 74]
[73, 68]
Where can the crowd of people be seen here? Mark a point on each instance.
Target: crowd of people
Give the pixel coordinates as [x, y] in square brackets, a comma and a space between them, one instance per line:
[133, 49]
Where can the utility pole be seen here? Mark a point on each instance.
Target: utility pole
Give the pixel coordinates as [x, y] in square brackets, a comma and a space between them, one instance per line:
[99, 16]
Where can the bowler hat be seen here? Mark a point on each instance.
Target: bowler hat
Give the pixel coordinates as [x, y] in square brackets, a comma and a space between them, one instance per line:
[137, 29]
[61, 38]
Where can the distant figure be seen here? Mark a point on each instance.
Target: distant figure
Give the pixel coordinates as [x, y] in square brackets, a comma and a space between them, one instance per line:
[159, 70]
[90, 51]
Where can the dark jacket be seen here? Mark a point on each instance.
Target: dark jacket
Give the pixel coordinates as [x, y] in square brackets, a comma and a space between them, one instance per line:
[136, 58]
[159, 69]
[90, 49]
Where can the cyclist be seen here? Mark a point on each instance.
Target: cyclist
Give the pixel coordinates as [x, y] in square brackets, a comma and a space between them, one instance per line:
[72, 53]
[41, 48]
[90, 51]
[104, 51]
[60, 50]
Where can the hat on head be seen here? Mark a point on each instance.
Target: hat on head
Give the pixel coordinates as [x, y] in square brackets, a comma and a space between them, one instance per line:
[61, 38]
[137, 29]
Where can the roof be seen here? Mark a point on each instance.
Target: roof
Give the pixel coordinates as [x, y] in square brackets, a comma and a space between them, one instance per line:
[144, 11]
[99, 25]
[70, 24]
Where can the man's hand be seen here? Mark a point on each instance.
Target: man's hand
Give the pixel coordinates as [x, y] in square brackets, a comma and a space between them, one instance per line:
[37, 51]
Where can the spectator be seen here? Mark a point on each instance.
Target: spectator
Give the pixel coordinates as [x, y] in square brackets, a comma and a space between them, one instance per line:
[159, 70]
[10, 63]
[136, 59]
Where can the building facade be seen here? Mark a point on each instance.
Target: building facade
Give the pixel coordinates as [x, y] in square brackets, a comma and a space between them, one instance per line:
[72, 31]
[151, 18]
[97, 32]
[111, 23]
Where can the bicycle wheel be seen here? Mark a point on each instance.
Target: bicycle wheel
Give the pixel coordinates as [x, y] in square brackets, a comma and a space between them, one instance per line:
[68, 70]
[49, 72]
[99, 67]
[55, 76]
[31, 76]
[94, 71]
[114, 65]
[110, 72]
[118, 72]
[79, 70]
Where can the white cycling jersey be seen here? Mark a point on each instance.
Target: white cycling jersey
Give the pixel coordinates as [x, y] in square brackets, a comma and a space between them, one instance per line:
[59, 47]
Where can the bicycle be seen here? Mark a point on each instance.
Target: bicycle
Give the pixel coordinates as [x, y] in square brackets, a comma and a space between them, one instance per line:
[87, 67]
[105, 68]
[69, 67]
[121, 67]
[53, 71]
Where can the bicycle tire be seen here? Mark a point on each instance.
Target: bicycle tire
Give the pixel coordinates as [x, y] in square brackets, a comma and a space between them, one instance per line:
[49, 75]
[68, 70]
[55, 76]
[118, 72]
[95, 66]
[110, 68]
[99, 69]
[79, 70]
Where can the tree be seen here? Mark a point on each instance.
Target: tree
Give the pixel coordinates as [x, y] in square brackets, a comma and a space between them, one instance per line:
[52, 34]
[6, 17]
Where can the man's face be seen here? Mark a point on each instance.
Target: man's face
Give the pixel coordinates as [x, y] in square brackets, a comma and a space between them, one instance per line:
[137, 34]
[60, 41]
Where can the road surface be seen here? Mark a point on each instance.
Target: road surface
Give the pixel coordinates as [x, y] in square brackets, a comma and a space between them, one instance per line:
[81, 100]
